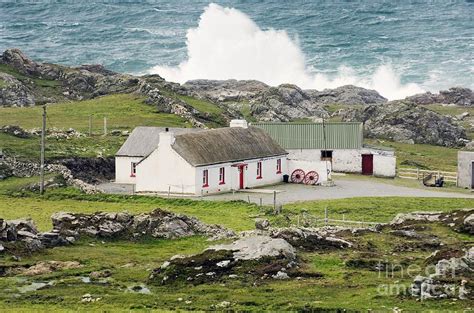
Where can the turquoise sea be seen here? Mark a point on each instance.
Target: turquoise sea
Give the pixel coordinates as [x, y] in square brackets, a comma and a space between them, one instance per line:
[396, 47]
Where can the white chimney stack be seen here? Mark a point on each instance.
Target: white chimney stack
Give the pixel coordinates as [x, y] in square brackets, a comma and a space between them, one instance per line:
[166, 138]
[239, 123]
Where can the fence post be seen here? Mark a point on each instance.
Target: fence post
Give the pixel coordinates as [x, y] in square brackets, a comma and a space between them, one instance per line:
[274, 201]
[417, 173]
[105, 125]
[326, 215]
[169, 191]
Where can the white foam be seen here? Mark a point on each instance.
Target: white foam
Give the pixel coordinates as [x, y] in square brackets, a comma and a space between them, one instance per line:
[228, 44]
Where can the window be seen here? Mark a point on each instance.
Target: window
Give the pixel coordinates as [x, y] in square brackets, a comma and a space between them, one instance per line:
[205, 178]
[133, 170]
[259, 170]
[326, 155]
[221, 176]
[279, 166]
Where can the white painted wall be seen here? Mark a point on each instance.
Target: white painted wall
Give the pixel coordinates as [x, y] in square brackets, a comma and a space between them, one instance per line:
[123, 169]
[465, 164]
[350, 160]
[164, 170]
[232, 175]
[307, 166]
[384, 165]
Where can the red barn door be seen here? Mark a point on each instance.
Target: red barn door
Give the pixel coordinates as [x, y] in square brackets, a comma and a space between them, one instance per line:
[367, 164]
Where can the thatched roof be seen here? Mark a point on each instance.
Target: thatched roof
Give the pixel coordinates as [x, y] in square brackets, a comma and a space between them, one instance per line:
[144, 140]
[226, 145]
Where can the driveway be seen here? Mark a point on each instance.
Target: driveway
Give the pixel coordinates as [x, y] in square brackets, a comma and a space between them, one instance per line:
[344, 188]
[288, 193]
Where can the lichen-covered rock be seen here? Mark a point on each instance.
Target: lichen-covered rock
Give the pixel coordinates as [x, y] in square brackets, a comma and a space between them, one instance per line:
[256, 247]
[453, 278]
[456, 95]
[156, 224]
[310, 239]
[255, 257]
[22, 236]
[404, 121]
[401, 218]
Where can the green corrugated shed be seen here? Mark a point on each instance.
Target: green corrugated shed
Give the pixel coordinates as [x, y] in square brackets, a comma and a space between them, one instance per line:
[339, 135]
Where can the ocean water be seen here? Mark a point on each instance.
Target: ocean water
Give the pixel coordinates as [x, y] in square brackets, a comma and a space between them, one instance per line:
[396, 47]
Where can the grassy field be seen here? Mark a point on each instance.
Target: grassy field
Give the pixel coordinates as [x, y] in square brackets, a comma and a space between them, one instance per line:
[421, 155]
[131, 262]
[123, 111]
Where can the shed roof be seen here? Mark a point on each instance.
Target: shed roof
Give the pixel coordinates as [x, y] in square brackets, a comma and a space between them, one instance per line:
[223, 145]
[143, 140]
[339, 135]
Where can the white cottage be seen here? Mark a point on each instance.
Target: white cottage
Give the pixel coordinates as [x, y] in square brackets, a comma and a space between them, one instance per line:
[207, 161]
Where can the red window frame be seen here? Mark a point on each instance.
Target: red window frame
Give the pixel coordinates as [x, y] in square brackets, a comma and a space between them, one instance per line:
[259, 170]
[279, 166]
[205, 178]
[133, 169]
[221, 176]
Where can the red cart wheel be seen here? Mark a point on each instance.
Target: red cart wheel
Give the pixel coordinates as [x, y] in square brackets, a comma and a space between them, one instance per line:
[311, 178]
[297, 176]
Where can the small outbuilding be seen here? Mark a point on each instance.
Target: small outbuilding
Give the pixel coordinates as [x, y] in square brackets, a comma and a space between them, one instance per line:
[339, 145]
[466, 169]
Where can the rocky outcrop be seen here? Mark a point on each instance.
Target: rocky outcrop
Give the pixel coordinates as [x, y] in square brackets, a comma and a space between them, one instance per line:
[456, 96]
[257, 257]
[282, 103]
[14, 93]
[90, 170]
[22, 236]
[460, 221]
[310, 239]
[407, 122]
[156, 224]
[453, 278]
[285, 103]
[348, 95]
[18, 168]
[257, 247]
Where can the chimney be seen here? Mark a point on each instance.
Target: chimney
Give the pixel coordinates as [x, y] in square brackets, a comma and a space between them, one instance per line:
[239, 123]
[166, 138]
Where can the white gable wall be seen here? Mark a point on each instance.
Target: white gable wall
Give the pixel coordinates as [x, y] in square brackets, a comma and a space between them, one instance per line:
[123, 169]
[165, 170]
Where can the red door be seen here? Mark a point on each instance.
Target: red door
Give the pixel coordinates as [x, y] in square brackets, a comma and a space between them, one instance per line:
[241, 176]
[367, 164]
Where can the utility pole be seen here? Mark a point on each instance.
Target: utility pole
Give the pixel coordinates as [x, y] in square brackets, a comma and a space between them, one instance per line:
[43, 135]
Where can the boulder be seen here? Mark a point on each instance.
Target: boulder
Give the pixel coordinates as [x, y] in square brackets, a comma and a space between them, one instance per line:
[310, 239]
[254, 257]
[254, 248]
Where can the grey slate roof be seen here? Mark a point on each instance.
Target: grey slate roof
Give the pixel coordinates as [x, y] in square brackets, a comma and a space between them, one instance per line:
[223, 145]
[144, 140]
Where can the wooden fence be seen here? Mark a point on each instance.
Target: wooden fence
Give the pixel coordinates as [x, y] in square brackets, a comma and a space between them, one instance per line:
[419, 174]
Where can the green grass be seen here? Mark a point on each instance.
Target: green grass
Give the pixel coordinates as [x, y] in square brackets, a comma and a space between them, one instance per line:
[3, 83]
[428, 156]
[201, 105]
[131, 262]
[123, 111]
